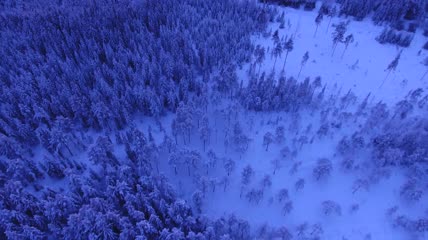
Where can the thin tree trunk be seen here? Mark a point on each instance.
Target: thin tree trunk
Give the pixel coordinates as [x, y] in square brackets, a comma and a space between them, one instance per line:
[424, 75]
[60, 154]
[329, 21]
[385, 78]
[285, 61]
[274, 63]
[298, 75]
[346, 47]
[189, 136]
[334, 49]
[316, 30]
[356, 189]
[66, 146]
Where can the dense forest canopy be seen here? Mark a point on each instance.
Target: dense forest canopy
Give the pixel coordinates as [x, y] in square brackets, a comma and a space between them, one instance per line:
[123, 119]
[98, 63]
[95, 64]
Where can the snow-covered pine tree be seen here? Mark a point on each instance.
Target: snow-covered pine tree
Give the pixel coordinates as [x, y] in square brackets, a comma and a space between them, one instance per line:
[348, 40]
[392, 66]
[276, 52]
[318, 21]
[338, 34]
[288, 47]
[305, 59]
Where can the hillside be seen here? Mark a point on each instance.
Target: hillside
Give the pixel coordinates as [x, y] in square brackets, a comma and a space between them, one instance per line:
[213, 120]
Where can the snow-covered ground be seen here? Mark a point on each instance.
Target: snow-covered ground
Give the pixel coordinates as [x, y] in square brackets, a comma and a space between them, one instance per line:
[370, 219]
[363, 65]
[258, 159]
[363, 208]
[362, 69]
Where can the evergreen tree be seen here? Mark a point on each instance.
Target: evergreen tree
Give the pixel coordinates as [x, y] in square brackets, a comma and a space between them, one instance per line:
[260, 56]
[267, 139]
[348, 40]
[212, 159]
[275, 37]
[323, 169]
[197, 199]
[277, 163]
[246, 177]
[229, 166]
[303, 63]
[184, 122]
[205, 131]
[280, 134]
[338, 35]
[318, 21]
[391, 67]
[288, 46]
[276, 52]
[332, 11]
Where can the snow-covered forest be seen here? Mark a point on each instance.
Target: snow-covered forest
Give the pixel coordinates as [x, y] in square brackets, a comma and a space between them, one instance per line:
[220, 119]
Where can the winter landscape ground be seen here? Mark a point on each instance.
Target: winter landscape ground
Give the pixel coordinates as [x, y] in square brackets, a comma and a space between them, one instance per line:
[231, 119]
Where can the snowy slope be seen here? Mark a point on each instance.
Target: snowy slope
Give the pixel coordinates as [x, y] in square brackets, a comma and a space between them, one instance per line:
[291, 160]
[363, 65]
[368, 75]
